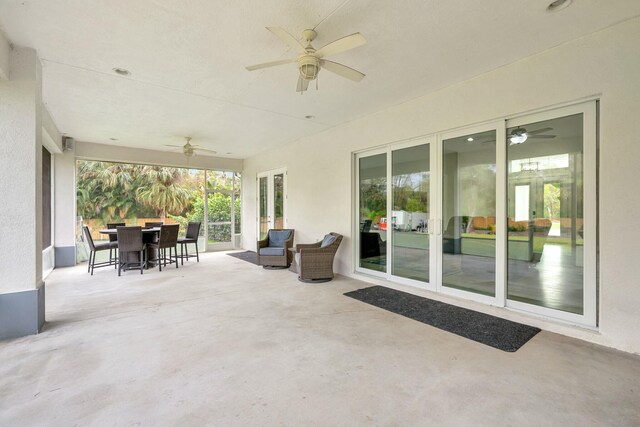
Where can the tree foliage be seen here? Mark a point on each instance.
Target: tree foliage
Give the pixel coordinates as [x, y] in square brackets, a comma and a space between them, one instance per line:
[113, 192]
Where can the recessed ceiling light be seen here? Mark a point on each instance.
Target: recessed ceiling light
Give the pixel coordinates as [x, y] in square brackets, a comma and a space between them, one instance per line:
[470, 139]
[122, 71]
[309, 117]
[557, 5]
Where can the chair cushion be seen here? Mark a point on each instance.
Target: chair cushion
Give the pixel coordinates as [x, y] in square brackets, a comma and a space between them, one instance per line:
[187, 240]
[270, 251]
[104, 246]
[327, 241]
[278, 237]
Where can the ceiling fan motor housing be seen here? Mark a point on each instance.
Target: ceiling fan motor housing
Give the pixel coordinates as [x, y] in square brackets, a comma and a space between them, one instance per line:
[309, 66]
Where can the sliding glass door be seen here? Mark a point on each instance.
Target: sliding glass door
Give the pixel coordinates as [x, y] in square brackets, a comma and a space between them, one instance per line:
[411, 207]
[502, 213]
[372, 212]
[551, 212]
[395, 200]
[469, 210]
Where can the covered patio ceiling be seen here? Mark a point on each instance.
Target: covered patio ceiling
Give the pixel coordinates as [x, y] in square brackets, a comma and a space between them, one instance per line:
[187, 61]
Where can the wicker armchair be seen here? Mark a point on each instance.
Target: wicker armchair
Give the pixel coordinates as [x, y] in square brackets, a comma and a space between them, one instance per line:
[315, 261]
[168, 240]
[273, 251]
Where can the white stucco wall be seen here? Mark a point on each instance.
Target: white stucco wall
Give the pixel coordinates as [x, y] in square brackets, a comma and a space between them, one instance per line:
[21, 174]
[65, 199]
[605, 64]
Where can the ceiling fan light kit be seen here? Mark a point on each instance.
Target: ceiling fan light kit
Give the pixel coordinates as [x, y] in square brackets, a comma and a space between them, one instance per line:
[309, 67]
[310, 60]
[518, 138]
[520, 135]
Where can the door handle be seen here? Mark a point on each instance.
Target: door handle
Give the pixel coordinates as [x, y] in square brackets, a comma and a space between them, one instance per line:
[438, 226]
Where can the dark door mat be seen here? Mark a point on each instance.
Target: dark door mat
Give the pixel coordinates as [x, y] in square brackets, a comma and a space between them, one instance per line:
[248, 256]
[486, 329]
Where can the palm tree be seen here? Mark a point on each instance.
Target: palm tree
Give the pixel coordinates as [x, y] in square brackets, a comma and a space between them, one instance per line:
[162, 189]
[104, 190]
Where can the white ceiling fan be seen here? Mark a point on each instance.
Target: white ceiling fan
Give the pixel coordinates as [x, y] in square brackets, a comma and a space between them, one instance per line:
[310, 60]
[189, 149]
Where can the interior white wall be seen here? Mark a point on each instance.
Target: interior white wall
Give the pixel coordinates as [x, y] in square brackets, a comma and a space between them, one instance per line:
[605, 64]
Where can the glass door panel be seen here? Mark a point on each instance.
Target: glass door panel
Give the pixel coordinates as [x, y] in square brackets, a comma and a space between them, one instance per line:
[278, 200]
[469, 213]
[271, 201]
[545, 229]
[236, 217]
[372, 187]
[263, 206]
[410, 215]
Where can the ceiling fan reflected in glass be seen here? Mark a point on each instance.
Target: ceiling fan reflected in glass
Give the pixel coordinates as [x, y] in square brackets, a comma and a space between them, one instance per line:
[520, 135]
[310, 61]
[189, 149]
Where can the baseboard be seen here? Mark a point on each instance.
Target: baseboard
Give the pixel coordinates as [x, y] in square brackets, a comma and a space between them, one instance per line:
[22, 313]
[65, 256]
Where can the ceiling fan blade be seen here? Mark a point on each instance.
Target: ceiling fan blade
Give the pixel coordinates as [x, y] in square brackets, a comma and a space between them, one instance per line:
[543, 130]
[270, 64]
[288, 39]
[542, 136]
[176, 146]
[342, 70]
[204, 149]
[341, 45]
[302, 85]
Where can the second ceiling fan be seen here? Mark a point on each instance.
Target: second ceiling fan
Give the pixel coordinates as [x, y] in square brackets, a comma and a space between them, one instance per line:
[310, 60]
[189, 149]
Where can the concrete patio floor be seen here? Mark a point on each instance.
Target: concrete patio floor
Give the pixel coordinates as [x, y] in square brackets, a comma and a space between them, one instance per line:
[223, 342]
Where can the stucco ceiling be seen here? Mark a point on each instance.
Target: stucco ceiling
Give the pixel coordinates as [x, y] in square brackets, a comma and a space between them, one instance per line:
[187, 61]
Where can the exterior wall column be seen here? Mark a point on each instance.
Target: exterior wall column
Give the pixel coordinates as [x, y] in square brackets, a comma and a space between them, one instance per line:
[65, 209]
[21, 285]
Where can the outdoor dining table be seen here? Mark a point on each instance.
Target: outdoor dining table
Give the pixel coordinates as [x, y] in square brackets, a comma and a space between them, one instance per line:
[148, 236]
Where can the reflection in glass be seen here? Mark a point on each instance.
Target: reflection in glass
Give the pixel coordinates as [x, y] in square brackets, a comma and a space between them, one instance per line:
[469, 213]
[278, 200]
[410, 215]
[545, 228]
[373, 212]
[264, 207]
